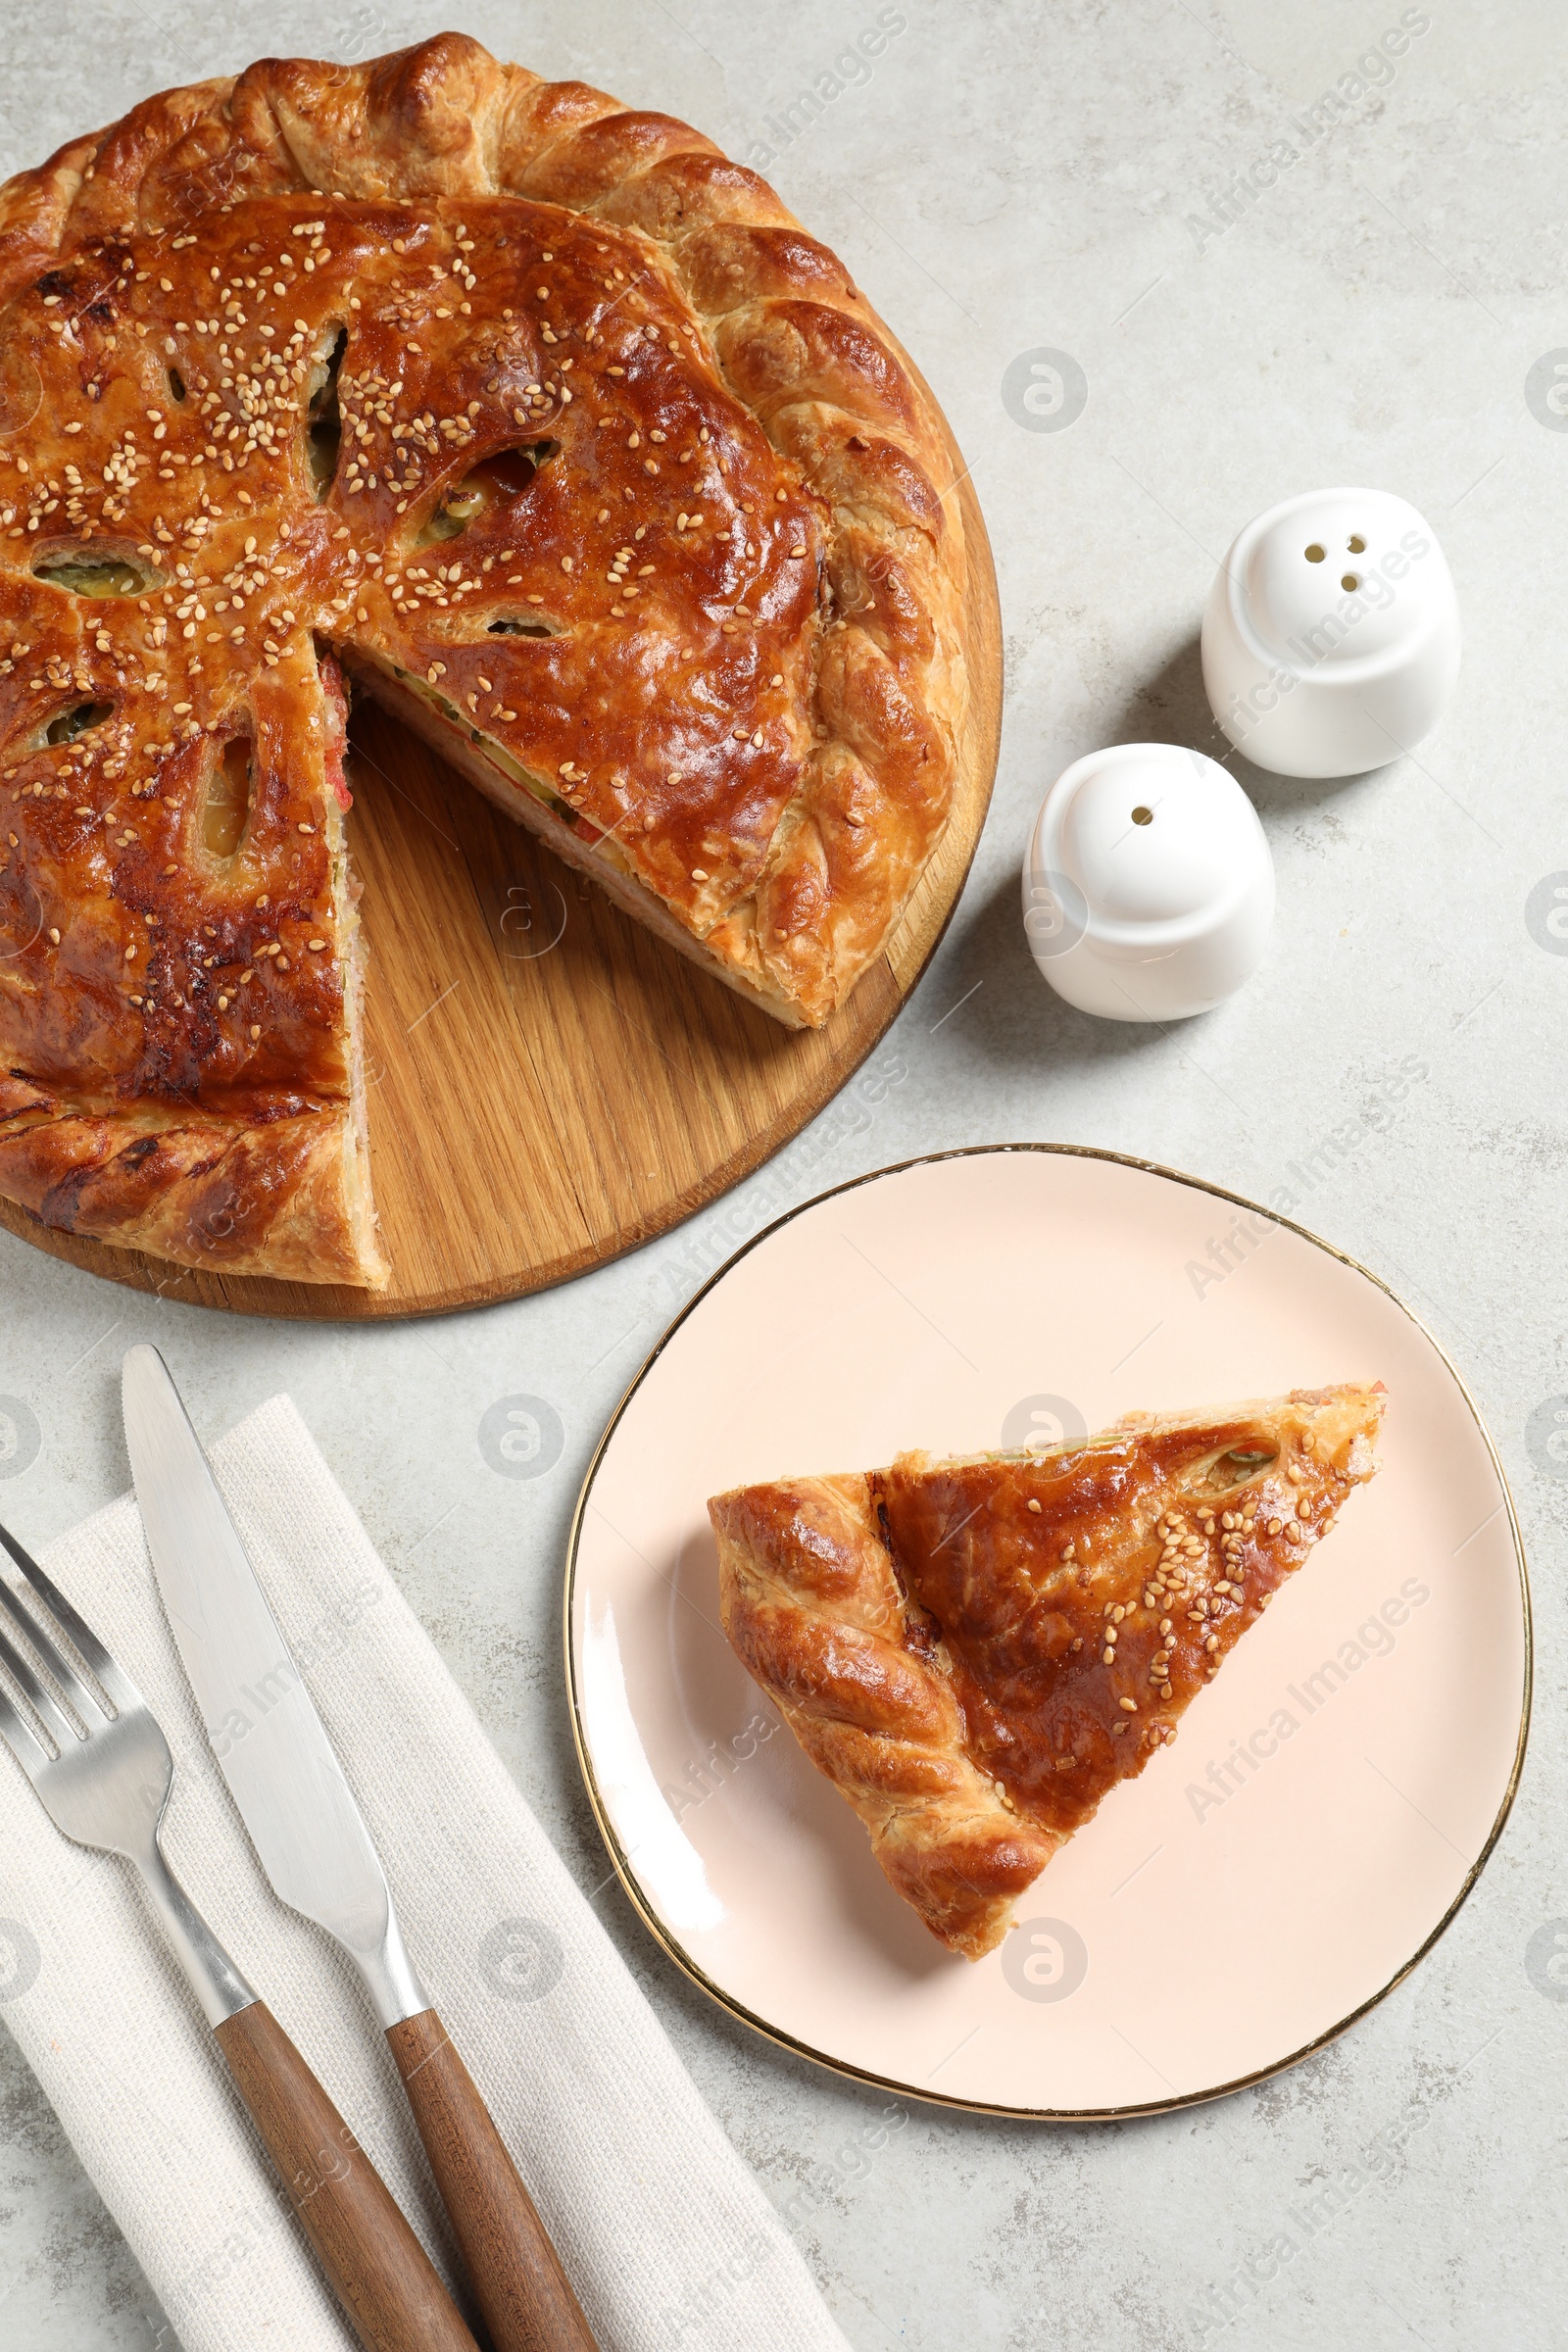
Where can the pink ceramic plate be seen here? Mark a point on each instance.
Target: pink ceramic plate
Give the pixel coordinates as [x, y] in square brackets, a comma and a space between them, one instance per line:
[1327, 1804]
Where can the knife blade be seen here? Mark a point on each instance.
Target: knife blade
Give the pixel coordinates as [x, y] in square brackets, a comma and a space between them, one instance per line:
[271, 1744]
[311, 1838]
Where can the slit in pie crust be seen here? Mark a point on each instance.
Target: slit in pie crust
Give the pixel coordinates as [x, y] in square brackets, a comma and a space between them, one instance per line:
[976, 1652]
[555, 430]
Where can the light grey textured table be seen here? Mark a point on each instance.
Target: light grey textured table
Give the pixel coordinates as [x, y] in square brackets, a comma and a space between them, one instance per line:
[1366, 303]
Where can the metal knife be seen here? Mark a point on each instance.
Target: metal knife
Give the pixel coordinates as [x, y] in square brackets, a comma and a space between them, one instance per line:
[313, 1844]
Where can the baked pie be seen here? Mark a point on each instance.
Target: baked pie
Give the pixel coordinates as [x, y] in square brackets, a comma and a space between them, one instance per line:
[553, 429]
[976, 1652]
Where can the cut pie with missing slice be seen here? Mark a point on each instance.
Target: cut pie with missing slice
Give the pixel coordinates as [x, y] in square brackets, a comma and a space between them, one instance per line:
[975, 1652]
[554, 428]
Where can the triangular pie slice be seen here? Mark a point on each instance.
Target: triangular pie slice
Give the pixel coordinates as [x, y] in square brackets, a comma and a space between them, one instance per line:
[975, 1652]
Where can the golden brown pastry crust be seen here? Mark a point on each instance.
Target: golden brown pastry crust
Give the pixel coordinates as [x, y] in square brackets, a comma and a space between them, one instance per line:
[976, 1652]
[701, 619]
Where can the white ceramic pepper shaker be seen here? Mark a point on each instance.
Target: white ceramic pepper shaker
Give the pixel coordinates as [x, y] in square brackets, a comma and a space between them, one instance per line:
[1331, 637]
[1148, 884]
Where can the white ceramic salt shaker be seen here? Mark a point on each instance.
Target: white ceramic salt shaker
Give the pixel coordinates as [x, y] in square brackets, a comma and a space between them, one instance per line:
[1148, 884]
[1331, 637]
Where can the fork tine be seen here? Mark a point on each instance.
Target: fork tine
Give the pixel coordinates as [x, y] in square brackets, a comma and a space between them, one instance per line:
[42, 1700]
[66, 1620]
[22, 1739]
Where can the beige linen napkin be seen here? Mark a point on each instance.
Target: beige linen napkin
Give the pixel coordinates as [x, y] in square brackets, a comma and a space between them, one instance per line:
[666, 2234]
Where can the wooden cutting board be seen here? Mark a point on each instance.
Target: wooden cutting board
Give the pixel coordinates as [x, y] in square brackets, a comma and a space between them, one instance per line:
[549, 1084]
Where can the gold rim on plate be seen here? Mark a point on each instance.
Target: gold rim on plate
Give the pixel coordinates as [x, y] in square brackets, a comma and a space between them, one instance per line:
[842, 2066]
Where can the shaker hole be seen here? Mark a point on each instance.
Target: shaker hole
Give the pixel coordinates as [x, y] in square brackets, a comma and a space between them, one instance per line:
[1315, 554]
[1143, 816]
[1350, 580]
[1356, 544]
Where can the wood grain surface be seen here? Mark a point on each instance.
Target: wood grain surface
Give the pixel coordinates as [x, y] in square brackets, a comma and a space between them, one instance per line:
[378, 2268]
[549, 1084]
[514, 2268]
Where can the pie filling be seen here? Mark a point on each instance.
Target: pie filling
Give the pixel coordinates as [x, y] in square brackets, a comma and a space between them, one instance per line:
[572, 836]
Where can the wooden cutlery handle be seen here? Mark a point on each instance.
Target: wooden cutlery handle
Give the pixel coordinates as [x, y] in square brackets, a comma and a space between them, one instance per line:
[379, 2271]
[523, 2293]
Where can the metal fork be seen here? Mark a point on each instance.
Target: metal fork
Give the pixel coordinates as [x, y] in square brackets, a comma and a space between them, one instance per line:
[104, 1776]
[109, 1780]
